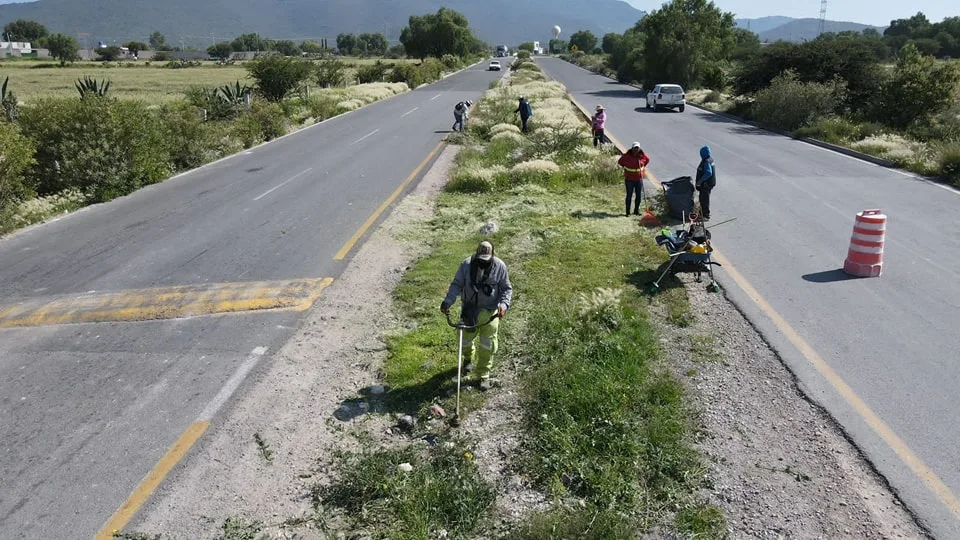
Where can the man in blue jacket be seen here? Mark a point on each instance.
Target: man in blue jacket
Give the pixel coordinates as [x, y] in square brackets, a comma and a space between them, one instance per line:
[706, 181]
[525, 110]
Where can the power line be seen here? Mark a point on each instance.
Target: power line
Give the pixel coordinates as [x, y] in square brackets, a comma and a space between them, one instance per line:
[823, 17]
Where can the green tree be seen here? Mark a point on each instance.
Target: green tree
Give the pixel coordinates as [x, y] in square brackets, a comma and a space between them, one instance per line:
[311, 47]
[746, 43]
[24, 30]
[610, 42]
[371, 45]
[584, 40]
[62, 47]
[919, 88]
[249, 43]
[287, 48]
[221, 51]
[927, 46]
[277, 75]
[396, 51]
[18, 152]
[627, 56]
[684, 39]
[136, 46]
[158, 42]
[526, 46]
[108, 54]
[440, 33]
[346, 43]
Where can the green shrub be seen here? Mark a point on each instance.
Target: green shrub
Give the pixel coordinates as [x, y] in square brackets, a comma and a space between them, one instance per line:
[407, 73]
[450, 61]
[247, 130]
[950, 163]
[919, 88]
[330, 73]
[104, 147]
[188, 139]
[432, 69]
[271, 119]
[277, 75]
[323, 106]
[832, 129]
[17, 151]
[375, 72]
[788, 104]
[714, 77]
[211, 100]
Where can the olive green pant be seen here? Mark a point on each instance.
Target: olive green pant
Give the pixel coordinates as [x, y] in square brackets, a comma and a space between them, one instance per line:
[481, 353]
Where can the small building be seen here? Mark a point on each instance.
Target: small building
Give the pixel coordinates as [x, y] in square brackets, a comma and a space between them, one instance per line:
[16, 48]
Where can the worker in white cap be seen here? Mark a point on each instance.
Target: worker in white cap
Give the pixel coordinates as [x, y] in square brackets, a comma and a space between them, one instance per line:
[634, 164]
[598, 123]
[483, 286]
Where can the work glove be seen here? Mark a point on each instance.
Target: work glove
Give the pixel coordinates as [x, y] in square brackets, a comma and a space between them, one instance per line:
[501, 311]
[444, 308]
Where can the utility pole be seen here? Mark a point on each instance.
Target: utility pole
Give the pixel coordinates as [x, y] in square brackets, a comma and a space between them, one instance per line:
[823, 17]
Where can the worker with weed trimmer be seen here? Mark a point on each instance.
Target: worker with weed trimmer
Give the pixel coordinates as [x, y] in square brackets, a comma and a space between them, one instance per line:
[483, 285]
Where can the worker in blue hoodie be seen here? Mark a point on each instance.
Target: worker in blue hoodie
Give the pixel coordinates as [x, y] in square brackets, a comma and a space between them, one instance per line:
[706, 181]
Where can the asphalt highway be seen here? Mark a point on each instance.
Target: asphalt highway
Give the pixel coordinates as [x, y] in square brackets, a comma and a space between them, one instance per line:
[882, 355]
[134, 316]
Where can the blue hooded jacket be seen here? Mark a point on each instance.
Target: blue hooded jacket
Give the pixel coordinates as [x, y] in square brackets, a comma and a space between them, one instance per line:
[706, 172]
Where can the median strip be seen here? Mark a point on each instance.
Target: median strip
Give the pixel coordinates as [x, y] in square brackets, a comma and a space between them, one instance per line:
[164, 302]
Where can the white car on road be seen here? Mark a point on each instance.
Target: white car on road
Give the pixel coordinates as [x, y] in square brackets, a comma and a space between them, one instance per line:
[667, 96]
[494, 66]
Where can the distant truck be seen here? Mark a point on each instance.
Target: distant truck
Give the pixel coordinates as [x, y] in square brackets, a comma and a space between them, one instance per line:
[502, 51]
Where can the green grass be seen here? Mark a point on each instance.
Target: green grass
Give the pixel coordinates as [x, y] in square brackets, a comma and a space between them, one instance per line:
[701, 522]
[704, 350]
[443, 491]
[237, 528]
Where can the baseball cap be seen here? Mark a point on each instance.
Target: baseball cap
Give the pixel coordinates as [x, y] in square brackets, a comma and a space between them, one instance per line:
[599, 107]
[635, 145]
[485, 251]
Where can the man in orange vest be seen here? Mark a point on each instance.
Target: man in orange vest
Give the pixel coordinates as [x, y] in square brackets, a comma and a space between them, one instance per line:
[634, 164]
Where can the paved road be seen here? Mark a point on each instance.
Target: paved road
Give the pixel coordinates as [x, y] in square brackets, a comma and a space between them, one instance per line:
[893, 340]
[86, 410]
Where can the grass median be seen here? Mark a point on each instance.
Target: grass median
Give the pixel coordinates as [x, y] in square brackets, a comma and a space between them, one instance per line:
[607, 433]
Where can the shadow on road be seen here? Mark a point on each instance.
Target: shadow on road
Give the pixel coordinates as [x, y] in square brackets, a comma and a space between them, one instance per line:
[738, 127]
[617, 93]
[579, 214]
[828, 276]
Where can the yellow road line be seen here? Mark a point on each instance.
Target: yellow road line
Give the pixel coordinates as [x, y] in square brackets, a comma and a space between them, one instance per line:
[165, 303]
[884, 431]
[386, 204]
[125, 513]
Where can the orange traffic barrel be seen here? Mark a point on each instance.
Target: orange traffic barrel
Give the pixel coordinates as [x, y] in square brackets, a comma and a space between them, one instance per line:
[865, 255]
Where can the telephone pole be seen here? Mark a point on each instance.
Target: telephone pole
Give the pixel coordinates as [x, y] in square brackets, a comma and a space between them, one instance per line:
[823, 17]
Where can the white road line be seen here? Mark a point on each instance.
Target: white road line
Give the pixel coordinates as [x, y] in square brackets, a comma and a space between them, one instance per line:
[408, 112]
[435, 97]
[280, 185]
[365, 136]
[232, 384]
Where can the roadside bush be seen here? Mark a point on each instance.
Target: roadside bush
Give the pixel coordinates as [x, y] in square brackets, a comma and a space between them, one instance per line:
[407, 73]
[537, 171]
[919, 88]
[209, 99]
[372, 73]
[896, 148]
[432, 69]
[188, 140]
[450, 61]
[832, 129]
[277, 76]
[17, 156]
[523, 55]
[246, 129]
[788, 104]
[271, 119]
[104, 147]
[949, 161]
[322, 107]
[330, 73]
[39, 209]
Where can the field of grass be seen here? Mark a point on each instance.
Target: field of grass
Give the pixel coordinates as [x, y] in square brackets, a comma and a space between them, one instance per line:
[32, 79]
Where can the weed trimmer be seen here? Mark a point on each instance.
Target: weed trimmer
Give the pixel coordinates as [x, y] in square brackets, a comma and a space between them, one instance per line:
[461, 327]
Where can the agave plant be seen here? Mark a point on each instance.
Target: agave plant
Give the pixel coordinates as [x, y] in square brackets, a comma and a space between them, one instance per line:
[92, 87]
[233, 94]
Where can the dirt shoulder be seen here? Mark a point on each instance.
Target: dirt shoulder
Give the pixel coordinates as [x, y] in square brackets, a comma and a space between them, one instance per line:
[335, 353]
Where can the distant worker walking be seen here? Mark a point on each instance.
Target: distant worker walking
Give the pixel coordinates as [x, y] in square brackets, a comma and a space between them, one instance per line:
[598, 124]
[706, 181]
[634, 164]
[461, 113]
[483, 285]
[526, 111]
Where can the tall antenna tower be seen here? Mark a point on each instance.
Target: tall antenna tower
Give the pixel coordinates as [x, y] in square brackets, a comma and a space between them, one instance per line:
[823, 16]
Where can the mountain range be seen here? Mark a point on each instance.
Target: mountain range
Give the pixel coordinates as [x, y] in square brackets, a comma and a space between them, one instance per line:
[772, 29]
[200, 22]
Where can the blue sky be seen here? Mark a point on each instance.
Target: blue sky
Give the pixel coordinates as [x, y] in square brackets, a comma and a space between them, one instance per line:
[875, 12]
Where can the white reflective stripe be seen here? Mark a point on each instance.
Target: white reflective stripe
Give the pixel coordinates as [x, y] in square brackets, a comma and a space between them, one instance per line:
[486, 343]
[870, 250]
[868, 237]
[870, 226]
